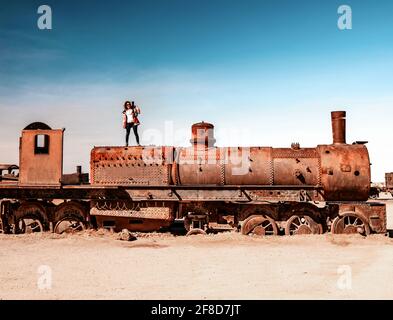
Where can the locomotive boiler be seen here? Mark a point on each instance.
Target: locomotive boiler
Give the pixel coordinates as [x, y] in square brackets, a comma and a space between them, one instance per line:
[254, 190]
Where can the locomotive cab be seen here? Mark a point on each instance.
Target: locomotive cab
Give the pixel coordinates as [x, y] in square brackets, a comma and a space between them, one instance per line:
[41, 155]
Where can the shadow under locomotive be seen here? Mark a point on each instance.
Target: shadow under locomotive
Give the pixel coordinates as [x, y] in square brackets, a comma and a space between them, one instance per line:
[254, 190]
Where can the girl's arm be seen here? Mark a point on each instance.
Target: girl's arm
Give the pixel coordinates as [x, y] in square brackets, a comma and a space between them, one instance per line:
[124, 120]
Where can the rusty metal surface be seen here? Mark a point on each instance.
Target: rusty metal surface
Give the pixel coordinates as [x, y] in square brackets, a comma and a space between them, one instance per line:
[374, 213]
[342, 170]
[197, 166]
[131, 210]
[248, 166]
[202, 133]
[198, 194]
[285, 195]
[117, 224]
[130, 165]
[145, 192]
[377, 218]
[296, 166]
[389, 180]
[345, 172]
[76, 178]
[339, 127]
[41, 168]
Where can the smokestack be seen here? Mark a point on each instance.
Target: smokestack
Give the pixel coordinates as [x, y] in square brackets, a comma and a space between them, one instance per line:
[338, 127]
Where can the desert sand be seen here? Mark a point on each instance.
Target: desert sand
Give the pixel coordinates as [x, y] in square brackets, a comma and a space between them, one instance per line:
[96, 265]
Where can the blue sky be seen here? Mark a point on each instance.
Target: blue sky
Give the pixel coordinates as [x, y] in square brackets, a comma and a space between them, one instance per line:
[264, 72]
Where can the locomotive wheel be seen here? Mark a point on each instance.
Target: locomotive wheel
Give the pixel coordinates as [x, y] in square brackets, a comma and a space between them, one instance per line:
[28, 224]
[70, 217]
[29, 218]
[69, 224]
[299, 224]
[259, 225]
[195, 231]
[350, 223]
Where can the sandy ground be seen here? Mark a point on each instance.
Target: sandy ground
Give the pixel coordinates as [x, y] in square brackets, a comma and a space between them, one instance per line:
[95, 265]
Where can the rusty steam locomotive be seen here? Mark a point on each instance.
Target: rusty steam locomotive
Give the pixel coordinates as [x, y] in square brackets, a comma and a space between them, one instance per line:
[254, 190]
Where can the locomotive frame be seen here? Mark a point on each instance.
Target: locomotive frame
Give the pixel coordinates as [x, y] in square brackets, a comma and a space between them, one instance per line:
[284, 191]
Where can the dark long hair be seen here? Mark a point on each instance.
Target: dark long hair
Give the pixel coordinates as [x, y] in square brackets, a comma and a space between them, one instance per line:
[125, 105]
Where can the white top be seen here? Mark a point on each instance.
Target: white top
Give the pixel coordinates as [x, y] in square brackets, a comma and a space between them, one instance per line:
[129, 116]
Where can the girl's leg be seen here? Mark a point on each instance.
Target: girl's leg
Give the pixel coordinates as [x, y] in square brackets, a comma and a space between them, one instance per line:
[135, 128]
[128, 129]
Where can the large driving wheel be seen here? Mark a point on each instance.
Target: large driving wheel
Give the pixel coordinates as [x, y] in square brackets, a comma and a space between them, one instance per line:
[259, 225]
[29, 225]
[69, 225]
[70, 218]
[29, 218]
[350, 223]
[301, 224]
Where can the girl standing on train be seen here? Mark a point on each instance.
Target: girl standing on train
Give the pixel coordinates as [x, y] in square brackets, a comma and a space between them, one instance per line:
[130, 120]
